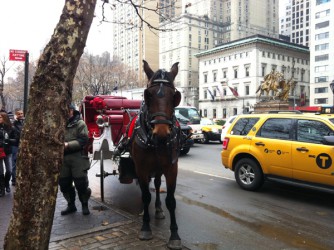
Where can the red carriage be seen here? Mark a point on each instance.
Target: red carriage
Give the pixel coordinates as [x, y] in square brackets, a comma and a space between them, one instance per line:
[107, 118]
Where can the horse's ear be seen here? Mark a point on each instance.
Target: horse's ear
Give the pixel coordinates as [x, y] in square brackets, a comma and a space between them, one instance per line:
[177, 98]
[147, 96]
[174, 69]
[148, 71]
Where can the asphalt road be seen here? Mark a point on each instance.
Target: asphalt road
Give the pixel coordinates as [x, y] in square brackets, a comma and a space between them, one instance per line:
[214, 213]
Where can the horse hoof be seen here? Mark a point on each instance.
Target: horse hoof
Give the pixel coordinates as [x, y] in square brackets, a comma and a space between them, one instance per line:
[145, 235]
[174, 244]
[159, 215]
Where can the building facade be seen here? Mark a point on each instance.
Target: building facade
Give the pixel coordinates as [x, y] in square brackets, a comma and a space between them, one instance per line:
[295, 21]
[321, 56]
[240, 66]
[204, 25]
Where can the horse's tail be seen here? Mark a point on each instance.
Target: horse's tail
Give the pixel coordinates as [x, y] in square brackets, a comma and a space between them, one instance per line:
[259, 88]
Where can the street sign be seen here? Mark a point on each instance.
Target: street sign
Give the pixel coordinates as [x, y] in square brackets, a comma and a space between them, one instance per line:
[17, 55]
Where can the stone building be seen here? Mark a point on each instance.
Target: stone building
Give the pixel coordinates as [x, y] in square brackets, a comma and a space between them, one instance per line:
[240, 66]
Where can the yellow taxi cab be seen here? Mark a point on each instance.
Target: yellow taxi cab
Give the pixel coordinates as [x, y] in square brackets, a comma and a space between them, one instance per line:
[291, 147]
[206, 131]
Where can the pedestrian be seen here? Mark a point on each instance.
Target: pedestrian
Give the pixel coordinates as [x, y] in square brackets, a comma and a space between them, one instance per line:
[76, 164]
[7, 137]
[17, 125]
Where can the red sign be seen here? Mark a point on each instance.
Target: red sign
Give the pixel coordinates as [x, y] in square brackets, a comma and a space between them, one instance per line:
[17, 55]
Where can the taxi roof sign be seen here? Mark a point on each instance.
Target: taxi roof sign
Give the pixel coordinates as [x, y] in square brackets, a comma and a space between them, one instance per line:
[17, 55]
[327, 110]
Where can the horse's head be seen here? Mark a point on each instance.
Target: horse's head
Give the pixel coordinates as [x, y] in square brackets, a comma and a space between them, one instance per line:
[161, 97]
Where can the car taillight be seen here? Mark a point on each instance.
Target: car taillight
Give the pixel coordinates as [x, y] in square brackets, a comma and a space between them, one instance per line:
[225, 142]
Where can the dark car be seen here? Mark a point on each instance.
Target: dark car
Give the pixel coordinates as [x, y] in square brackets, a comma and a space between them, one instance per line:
[187, 142]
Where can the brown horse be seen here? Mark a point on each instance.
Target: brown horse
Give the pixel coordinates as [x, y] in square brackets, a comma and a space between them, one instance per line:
[155, 147]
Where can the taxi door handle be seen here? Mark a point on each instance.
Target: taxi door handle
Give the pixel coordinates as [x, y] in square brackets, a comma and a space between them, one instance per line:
[302, 149]
[259, 144]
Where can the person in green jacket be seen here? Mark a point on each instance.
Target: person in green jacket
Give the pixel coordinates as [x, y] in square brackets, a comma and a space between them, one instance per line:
[76, 164]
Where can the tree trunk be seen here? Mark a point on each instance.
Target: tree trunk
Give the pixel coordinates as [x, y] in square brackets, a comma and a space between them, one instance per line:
[42, 141]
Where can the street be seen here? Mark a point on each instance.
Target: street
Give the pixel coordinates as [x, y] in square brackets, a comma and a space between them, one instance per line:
[214, 213]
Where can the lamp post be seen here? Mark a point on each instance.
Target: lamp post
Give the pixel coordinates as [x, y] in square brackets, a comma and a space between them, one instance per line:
[331, 85]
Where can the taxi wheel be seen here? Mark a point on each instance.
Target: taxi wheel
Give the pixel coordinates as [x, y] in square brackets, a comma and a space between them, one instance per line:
[205, 139]
[248, 174]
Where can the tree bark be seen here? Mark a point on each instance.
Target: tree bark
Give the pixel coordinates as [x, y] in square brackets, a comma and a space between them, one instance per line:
[41, 146]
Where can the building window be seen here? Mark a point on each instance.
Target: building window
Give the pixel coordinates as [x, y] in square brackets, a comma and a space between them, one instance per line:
[205, 94]
[246, 90]
[235, 111]
[322, 36]
[214, 111]
[235, 73]
[224, 73]
[322, 1]
[247, 71]
[214, 76]
[321, 90]
[321, 25]
[320, 100]
[323, 46]
[205, 112]
[205, 78]
[321, 58]
[321, 79]
[321, 68]
[263, 70]
[322, 13]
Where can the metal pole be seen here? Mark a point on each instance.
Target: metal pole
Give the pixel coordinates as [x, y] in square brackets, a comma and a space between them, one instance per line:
[26, 74]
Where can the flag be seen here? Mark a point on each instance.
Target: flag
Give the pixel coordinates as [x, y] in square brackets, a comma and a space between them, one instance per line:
[234, 92]
[211, 94]
[221, 93]
[302, 99]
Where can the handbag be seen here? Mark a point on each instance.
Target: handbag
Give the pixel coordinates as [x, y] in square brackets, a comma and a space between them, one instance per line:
[2, 153]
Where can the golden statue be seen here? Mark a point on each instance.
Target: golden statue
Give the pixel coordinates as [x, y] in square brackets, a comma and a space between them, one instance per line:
[275, 81]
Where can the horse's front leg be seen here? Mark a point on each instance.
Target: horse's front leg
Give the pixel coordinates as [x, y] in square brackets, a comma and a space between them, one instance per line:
[159, 213]
[145, 231]
[174, 240]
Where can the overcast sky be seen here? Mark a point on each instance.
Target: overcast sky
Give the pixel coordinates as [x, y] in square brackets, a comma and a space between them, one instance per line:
[29, 24]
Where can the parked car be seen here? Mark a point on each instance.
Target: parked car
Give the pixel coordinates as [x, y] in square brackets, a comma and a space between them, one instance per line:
[208, 130]
[292, 148]
[226, 126]
[188, 112]
[188, 142]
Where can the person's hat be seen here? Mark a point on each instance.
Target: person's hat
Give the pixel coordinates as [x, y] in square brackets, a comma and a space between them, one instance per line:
[72, 106]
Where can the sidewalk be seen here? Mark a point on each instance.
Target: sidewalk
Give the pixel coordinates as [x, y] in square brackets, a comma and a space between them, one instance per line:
[104, 228]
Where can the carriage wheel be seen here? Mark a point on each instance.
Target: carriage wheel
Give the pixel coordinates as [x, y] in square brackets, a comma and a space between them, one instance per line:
[102, 175]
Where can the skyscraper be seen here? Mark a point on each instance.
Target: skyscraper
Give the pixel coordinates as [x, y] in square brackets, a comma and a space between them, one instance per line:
[134, 36]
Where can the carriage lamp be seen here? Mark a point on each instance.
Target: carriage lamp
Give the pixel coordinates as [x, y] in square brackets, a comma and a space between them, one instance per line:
[331, 85]
[102, 121]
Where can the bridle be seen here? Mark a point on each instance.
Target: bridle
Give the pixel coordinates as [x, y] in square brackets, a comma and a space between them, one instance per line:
[146, 120]
[161, 82]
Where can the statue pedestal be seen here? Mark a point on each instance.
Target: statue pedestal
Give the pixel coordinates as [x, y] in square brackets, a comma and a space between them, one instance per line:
[271, 105]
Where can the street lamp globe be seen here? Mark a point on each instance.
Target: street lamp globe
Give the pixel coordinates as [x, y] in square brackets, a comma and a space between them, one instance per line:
[331, 85]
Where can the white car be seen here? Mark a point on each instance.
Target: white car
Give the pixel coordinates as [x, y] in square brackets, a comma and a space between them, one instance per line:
[227, 125]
